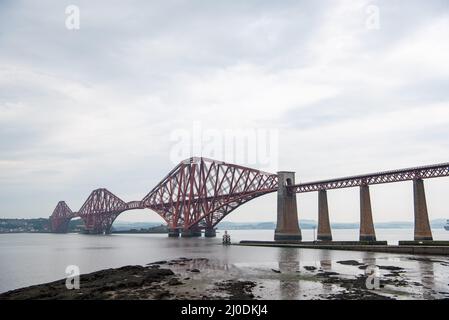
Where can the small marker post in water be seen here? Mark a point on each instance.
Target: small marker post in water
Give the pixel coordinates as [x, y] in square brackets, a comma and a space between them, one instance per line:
[226, 238]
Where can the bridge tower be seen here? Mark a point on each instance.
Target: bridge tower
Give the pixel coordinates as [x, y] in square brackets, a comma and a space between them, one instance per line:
[199, 192]
[287, 227]
[60, 218]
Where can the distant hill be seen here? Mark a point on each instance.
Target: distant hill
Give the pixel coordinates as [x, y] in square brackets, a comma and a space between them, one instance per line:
[77, 225]
[309, 224]
[24, 225]
[123, 225]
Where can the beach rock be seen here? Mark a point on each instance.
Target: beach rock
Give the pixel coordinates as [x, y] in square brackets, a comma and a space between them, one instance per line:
[174, 282]
[158, 262]
[391, 268]
[310, 268]
[350, 262]
[237, 290]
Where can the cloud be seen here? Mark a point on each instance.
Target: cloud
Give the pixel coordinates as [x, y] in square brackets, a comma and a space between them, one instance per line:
[96, 107]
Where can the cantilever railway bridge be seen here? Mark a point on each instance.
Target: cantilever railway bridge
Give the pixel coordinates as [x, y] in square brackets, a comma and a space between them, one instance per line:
[199, 192]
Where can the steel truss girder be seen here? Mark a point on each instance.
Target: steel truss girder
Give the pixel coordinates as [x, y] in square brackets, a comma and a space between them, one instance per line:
[60, 217]
[101, 208]
[201, 192]
[424, 172]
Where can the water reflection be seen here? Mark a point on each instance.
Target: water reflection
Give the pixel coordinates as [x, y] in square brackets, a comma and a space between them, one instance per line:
[326, 266]
[288, 266]
[368, 259]
[326, 260]
[427, 276]
[51, 253]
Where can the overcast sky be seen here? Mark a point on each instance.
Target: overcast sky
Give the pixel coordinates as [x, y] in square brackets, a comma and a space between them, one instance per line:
[340, 88]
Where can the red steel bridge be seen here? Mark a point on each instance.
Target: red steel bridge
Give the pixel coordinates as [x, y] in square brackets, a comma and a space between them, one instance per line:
[199, 192]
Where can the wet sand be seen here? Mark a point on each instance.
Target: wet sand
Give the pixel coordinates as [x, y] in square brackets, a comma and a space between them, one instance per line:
[200, 278]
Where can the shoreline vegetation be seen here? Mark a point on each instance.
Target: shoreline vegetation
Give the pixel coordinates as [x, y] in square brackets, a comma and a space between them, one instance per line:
[41, 225]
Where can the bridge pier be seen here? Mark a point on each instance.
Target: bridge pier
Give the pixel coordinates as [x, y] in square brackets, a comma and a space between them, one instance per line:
[173, 233]
[59, 225]
[324, 227]
[191, 232]
[210, 232]
[422, 224]
[287, 226]
[367, 232]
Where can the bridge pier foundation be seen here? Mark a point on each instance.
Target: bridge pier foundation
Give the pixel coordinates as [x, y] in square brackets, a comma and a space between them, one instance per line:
[324, 227]
[287, 226]
[367, 232]
[190, 233]
[210, 233]
[173, 233]
[59, 225]
[422, 224]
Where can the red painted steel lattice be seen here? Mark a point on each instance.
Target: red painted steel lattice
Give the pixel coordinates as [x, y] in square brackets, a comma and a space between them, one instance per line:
[197, 193]
[201, 192]
[424, 172]
[101, 208]
[61, 217]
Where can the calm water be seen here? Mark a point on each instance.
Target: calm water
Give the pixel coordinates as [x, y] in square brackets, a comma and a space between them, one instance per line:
[28, 259]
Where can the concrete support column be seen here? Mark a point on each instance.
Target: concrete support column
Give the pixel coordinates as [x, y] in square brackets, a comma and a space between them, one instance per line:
[287, 227]
[210, 233]
[367, 232]
[422, 224]
[324, 226]
[191, 232]
[173, 233]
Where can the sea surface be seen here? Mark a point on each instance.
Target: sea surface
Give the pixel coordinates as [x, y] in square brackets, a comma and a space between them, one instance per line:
[28, 259]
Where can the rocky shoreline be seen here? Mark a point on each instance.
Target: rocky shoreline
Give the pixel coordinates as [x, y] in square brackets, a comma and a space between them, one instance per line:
[152, 282]
[203, 279]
